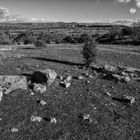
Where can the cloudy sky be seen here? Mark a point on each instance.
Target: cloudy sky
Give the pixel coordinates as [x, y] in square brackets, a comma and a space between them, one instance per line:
[68, 10]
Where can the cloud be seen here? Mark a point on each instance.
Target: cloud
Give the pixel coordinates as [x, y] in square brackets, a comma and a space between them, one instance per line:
[3, 12]
[5, 16]
[137, 3]
[123, 1]
[132, 11]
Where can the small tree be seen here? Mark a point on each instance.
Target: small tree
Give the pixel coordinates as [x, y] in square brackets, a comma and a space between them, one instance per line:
[89, 52]
[40, 44]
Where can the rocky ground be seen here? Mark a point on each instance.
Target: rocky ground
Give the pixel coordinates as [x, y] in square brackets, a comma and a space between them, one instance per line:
[93, 106]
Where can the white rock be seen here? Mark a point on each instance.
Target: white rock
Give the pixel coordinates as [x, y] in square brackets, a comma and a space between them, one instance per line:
[127, 79]
[14, 129]
[90, 76]
[39, 88]
[12, 82]
[107, 93]
[32, 93]
[50, 74]
[36, 119]
[53, 120]
[1, 94]
[80, 77]
[68, 78]
[42, 102]
[109, 68]
[65, 84]
[86, 116]
[132, 99]
[124, 73]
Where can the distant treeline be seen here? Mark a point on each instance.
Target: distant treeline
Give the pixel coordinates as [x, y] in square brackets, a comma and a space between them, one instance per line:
[73, 35]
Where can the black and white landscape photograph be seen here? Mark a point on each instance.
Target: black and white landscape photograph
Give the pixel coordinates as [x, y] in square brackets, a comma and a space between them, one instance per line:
[69, 69]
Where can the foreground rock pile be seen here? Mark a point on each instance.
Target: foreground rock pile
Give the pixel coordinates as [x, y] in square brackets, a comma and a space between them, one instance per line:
[122, 74]
[40, 80]
[75, 100]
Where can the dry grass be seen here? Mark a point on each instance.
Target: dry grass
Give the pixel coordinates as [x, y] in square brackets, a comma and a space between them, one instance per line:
[111, 120]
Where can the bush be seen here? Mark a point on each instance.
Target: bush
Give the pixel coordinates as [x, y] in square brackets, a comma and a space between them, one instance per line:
[69, 39]
[89, 52]
[40, 44]
[5, 38]
[85, 38]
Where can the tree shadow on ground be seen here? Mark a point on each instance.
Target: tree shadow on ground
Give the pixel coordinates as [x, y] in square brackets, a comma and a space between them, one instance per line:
[57, 61]
[27, 48]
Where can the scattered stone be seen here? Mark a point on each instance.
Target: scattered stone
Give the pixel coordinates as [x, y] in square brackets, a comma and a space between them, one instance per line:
[132, 75]
[36, 119]
[39, 88]
[127, 79]
[42, 102]
[132, 99]
[1, 94]
[65, 84]
[44, 77]
[80, 77]
[68, 78]
[51, 75]
[107, 93]
[87, 82]
[96, 68]
[0, 119]
[86, 116]
[124, 73]
[61, 77]
[53, 120]
[90, 76]
[32, 93]
[118, 77]
[109, 68]
[9, 83]
[14, 129]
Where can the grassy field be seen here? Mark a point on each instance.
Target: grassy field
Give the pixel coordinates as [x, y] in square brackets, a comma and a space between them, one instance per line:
[110, 120]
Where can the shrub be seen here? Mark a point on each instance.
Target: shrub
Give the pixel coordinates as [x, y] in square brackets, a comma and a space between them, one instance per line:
[40, 44]
[85, 38]
[69, 39]
[5, 38]
[136, 35]
[89, 52]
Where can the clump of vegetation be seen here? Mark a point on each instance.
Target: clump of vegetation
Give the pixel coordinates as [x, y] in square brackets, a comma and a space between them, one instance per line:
[40, 43]
[69, 39]
[84, 38]
[5, 38]
[89, 52]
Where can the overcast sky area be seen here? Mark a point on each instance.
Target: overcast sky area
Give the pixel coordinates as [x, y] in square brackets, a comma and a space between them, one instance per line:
[68, 10]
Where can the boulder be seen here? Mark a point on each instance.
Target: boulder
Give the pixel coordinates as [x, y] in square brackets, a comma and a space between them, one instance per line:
[65, 84]
[51, 75]
[1, 94]
[117, 77]
[39, 77]
[109, 68]
[68, 78]
[39, 88]
[44, 77]
[121, 78]
[131, 98]
[9, 83]
[80, 77]
[126, 78]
